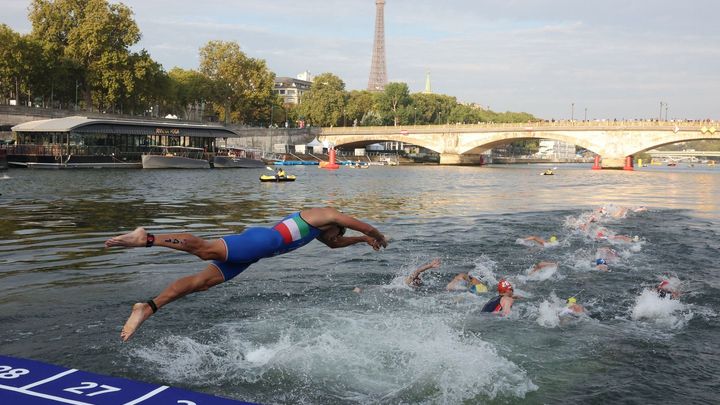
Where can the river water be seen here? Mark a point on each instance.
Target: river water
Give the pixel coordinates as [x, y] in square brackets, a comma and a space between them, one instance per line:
[291, 330]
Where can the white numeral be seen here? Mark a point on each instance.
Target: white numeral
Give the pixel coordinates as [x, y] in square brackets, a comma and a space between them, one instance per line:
[186, 402]
[9, 373]
[90, 385]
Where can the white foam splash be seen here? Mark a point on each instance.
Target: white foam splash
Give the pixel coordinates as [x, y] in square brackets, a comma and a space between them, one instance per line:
[663, 312]
[376, 357]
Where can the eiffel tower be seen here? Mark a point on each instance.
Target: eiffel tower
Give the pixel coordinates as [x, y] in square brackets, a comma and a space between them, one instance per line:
[378, 71]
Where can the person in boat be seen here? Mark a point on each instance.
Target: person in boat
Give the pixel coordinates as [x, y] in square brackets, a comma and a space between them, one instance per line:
[666, 289]
[466, 282]
[503, 302]
[233, 254]
[280, 174]
[414, 280]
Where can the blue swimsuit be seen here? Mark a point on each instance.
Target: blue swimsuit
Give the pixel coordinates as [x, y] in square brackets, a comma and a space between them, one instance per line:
[257, 243]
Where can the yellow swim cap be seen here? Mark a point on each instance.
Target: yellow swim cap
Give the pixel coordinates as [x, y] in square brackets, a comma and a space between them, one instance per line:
[571, 301]
[478, 288]
[553, 238]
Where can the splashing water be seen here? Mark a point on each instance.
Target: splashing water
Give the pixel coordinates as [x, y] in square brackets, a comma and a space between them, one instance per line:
[663, 312]
[367, 357]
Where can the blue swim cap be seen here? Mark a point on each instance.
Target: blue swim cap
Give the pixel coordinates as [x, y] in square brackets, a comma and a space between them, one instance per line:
[600, 261]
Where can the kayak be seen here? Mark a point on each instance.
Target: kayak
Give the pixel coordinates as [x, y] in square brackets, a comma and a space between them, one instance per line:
[271, 178]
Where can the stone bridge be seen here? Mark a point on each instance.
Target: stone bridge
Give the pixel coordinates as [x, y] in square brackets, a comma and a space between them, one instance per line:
[614, 141]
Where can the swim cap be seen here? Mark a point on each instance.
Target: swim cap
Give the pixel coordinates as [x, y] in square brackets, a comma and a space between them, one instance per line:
[478, 288]
[663, 284]
[600, 234]
[504, 286]
[600, 261]
[571, 301]
[553, 238]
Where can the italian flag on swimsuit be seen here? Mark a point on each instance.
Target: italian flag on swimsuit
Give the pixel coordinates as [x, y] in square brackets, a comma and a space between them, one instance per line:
[293, 229]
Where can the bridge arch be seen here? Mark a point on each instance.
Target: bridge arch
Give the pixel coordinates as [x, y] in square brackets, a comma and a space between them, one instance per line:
[359, 141]
[491, 140]
[677, 137]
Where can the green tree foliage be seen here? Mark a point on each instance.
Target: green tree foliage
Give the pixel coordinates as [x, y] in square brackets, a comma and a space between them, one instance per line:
[323, 105]
[359, 104]
[87, 48]
[393, 101]
[241, 86]
[189, 91]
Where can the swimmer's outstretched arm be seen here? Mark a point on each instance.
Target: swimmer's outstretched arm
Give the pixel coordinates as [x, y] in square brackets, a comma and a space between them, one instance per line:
[434, 264]
[324, 217]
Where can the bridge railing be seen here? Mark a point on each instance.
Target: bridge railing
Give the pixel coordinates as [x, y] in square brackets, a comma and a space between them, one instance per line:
[537, 125]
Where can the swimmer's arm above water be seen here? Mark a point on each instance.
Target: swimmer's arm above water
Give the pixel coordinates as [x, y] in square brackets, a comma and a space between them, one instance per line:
[343, 241]
[325, 217]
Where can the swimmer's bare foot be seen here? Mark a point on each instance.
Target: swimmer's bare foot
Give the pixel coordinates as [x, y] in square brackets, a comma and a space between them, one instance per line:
[136, 238]
[140, 312]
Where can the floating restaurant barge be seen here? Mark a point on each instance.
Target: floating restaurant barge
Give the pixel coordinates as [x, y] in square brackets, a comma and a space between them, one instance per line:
[81, 142]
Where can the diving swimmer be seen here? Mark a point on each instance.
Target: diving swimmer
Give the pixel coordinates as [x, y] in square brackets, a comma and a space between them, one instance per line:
[232, 254]
[503, 302]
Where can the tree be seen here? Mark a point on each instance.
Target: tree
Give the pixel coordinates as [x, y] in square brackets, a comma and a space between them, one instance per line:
[359, 104]
[242, 86]
[393, 99]
[95, 36]
[189, 90]
[324, 103]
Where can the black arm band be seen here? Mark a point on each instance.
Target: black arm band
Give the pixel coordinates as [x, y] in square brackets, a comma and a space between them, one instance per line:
[152, 305]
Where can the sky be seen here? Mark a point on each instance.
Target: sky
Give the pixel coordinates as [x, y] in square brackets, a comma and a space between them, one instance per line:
[594, 59]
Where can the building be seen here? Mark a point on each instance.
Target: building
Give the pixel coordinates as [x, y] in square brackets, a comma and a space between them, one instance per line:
[291, 89]
[92, 142]
[556, 150]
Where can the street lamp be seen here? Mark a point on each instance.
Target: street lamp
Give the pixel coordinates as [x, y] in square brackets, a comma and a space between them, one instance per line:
[666, 111]
[272, 110]
[585, 114]
[414, 116]
[572, 111]
[76, 91]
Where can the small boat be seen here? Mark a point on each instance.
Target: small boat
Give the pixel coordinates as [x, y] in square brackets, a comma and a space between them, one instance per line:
[547, 173]
[238, 158]
[175, 157]
[271, 178]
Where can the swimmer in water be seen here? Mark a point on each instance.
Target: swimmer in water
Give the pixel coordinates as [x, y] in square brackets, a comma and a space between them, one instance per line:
[542, 242]
[572, 307]
[503, 302]
[666, 289]
[232, 254]
[466, 282]
[542, 266]
[601, 264]
[414, 280]
[622, 238]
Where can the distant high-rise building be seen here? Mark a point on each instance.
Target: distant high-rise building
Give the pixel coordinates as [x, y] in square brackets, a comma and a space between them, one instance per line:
[428, 89]
[378, 70]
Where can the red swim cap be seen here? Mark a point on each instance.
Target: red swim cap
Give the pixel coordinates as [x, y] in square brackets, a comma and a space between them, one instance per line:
[504, 286]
